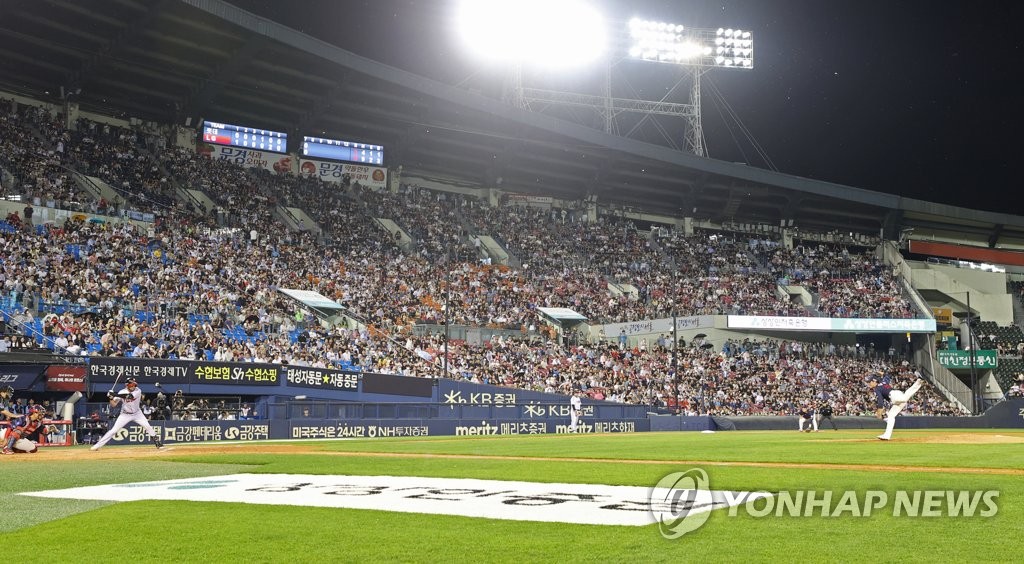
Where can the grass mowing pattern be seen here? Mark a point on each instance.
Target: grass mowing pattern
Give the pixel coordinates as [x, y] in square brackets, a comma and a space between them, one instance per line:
[846, 447]
[216, 532]
[21, 511]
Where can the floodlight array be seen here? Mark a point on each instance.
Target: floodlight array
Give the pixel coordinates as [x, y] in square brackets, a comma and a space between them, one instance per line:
[673, 43]
[734, 48]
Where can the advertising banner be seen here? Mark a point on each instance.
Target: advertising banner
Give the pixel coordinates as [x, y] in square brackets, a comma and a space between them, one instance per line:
[107, 370]
[171, 432]
[943, 315]
[234, 373]
[20, 376]
[524, 199]
[321, 378]
[363, 428]
[65, 379]
[176, 432]
[182, 372]
[652, 326]
[831, 324]
[279, 163]
[962, 359]
[329, 171]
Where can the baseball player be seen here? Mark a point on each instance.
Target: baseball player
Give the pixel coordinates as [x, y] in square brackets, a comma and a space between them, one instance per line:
[130, 399]
[825, 412]
[806, 414]
[575, 410]
[7, 412]
[16, 439]
[897, 399]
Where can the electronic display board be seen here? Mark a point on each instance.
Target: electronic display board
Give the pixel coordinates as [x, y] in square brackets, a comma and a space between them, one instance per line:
[248, 137]
[349, 151]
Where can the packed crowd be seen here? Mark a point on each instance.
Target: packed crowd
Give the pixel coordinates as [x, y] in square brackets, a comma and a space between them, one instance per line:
[750, 377]
[185, 288]
[1016, 390]
[849, 284]
[37, 164]
[40, 152]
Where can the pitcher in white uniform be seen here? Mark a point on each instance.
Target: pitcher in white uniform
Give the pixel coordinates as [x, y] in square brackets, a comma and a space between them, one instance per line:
[130, 399]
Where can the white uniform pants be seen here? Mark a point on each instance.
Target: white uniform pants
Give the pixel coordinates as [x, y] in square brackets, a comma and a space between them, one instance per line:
[899, 401]
[574, 417]
[813, 420]
[123, 420]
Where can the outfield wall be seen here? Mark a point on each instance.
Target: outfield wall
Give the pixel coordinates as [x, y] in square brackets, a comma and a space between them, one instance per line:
[181, 432]
[753, 423]
[1008, 414]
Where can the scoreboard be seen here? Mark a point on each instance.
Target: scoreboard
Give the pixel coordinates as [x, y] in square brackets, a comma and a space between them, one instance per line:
[342, 150]
[248, 137]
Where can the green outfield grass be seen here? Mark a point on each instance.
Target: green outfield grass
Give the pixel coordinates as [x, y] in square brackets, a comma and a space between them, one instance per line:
[172, 531]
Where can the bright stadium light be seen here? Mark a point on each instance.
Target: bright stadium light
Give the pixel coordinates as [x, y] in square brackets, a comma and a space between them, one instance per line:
[639, 39]
[673, 43]
[547, 33]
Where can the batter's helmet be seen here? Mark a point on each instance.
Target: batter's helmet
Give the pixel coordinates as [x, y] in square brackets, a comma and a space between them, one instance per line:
[131, 382]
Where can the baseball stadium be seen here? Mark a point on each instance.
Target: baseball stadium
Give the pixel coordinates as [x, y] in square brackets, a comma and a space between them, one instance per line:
[269, 300]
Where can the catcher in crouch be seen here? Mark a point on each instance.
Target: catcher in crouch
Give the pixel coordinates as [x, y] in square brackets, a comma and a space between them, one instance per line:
[17, 441]
[130, 399]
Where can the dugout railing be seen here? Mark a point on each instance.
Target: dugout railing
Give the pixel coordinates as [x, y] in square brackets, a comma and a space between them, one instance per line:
[52, 432]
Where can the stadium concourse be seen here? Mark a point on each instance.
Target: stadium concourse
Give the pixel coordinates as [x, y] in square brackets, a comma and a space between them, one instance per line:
[201, 283]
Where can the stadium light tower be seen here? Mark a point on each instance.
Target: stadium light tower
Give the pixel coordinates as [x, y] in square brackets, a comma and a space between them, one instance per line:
[692, 49]
[699, 49]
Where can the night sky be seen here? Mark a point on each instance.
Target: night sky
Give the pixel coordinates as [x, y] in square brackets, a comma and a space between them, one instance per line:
[917, 98]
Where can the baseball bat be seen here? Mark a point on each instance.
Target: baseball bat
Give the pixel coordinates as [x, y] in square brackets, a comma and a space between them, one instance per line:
[114, 385]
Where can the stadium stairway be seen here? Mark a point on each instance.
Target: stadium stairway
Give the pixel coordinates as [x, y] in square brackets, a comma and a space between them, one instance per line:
[404, 241]
[98, 188]
[296, 219]
[1018, 309]
[666, 256]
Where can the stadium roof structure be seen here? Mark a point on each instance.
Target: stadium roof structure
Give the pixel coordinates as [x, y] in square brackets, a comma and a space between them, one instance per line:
[172, 60]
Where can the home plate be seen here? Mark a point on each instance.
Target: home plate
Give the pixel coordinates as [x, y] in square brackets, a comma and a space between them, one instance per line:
[592, 504]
